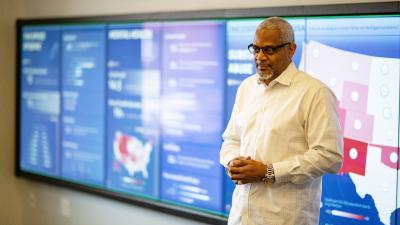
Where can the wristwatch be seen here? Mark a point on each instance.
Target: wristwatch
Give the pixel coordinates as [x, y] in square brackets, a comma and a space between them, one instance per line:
[269, 176]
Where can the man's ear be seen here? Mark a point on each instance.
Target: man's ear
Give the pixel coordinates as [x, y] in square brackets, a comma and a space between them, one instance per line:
[292, 49]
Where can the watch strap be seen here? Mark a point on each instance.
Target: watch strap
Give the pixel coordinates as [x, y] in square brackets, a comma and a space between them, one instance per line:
[269, 176]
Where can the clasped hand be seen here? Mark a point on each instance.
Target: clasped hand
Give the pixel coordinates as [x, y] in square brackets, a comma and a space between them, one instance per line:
[244, 170]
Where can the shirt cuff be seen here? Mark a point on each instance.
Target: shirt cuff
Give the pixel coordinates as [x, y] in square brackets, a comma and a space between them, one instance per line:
[281, 170]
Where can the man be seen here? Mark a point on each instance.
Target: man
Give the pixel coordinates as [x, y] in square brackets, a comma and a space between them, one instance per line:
[283, 135]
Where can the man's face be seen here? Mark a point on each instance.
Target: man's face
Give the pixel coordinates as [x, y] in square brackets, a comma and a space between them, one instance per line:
[270, 66]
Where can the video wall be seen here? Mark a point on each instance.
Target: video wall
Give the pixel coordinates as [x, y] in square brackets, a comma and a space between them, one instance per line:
[138, 109]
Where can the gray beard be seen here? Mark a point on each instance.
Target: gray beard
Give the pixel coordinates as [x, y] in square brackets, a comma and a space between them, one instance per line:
[263, 78]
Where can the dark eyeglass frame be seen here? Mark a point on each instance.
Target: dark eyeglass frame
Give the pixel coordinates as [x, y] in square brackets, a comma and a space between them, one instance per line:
[269, 50]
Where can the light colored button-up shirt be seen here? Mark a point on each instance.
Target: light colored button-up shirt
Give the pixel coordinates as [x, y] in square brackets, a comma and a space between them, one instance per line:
[293, 124]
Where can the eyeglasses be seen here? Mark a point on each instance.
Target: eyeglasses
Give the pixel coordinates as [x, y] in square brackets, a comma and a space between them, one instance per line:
[269, 50]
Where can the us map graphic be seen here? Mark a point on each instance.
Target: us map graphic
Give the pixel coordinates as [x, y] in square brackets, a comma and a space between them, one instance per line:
[367, 89]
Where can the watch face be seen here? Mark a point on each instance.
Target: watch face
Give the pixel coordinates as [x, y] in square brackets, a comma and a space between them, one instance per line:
[268, 180]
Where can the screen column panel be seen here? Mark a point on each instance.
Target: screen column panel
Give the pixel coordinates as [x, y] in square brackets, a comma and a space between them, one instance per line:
[358, 58]
[40, 99]
[133, 108]
[83, 103]
[239, 34]
[192, 113]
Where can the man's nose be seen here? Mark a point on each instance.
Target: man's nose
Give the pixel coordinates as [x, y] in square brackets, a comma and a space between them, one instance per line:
[261, 55]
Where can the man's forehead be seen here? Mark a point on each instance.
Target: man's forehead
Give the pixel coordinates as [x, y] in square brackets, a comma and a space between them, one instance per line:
[261, 30]
[267, 35]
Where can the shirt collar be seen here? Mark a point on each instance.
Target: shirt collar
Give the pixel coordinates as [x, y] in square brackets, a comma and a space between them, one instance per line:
[285, 78]
[287, 75]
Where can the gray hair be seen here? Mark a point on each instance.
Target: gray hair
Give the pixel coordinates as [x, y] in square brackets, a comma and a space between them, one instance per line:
[278, 23]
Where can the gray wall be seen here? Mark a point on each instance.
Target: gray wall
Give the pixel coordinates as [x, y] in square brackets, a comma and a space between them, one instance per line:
[25, 202]
[10, 195]
[34, 8]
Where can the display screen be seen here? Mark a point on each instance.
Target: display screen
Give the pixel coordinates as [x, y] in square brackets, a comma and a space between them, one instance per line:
[138, 109]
